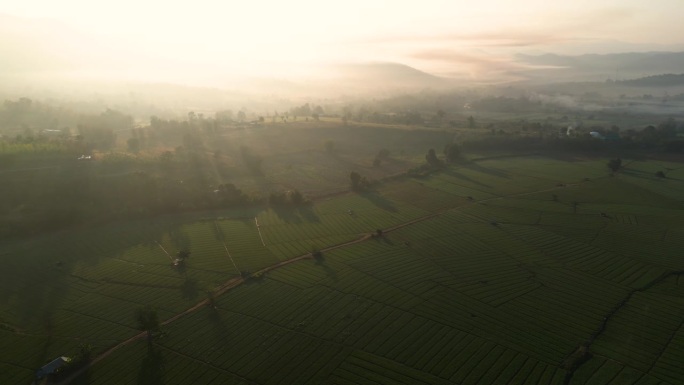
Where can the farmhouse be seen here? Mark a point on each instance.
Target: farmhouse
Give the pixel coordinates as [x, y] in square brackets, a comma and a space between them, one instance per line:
[52, 366]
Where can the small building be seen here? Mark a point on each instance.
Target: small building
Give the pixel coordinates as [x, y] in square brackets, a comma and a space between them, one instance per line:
[52, 367]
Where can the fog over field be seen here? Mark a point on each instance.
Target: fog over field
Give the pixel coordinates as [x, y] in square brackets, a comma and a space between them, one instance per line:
[355, 192]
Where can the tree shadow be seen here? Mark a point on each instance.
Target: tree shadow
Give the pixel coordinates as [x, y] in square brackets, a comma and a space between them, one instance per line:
[221, 331]
[84, 378]
[151, 370]
[486, 170]
[179, 238]
[308, 213]
[287, 214]
[380, 201]
[384, 239]
[190, 289]
[329, 271]
[639, 174]
[296, 214]
[468, 179]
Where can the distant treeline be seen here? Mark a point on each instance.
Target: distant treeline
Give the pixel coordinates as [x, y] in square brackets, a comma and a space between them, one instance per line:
[664, 80]
[662, 137]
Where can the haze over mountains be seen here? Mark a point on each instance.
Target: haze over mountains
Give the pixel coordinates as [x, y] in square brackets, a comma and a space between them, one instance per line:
[46, 53]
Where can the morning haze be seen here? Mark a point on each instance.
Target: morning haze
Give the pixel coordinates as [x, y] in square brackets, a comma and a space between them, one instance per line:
[357, 192]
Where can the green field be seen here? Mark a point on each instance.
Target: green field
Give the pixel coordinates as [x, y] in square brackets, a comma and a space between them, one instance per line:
[496, 271]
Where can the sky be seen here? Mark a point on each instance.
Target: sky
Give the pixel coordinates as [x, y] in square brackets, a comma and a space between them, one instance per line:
[291, 38]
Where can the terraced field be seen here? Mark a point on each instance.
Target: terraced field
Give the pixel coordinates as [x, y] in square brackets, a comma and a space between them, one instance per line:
[519, 271]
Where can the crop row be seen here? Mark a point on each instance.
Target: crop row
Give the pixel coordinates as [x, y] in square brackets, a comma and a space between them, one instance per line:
[588, 258]
[417, 194]
[253, 349]
[350, 280]
[464, 313]
[488, 214]
[649, 330]
[292, 249]
[329, 225]
[601, 371]
[301, 275]
[91, 329]
[371, 327]
[669, 365]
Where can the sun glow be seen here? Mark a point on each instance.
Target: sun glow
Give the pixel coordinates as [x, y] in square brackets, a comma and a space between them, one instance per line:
[208, 39]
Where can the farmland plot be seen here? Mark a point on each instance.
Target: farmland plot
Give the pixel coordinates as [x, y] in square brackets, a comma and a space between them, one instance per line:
[499, 288]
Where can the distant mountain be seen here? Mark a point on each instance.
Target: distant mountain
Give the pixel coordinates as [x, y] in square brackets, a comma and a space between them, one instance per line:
[595, 67]
[386, 76]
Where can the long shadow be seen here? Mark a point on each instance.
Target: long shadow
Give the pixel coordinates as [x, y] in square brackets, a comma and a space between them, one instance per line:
[221, 331]
[329, 271]
[42, 269]
[151, 370]
[179, 238]
[296, 214]
[190, 289]
[84, 379]
[308, 213]
[486, 170]
[639, 174]
[287, 214]
[458, 175]
[380, 201]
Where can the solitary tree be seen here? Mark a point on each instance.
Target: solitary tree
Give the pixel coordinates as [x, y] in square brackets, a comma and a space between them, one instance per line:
[358, 182]
[471, 122]
[452, 152]
[183, 254]
[615, 164]
[432, 159]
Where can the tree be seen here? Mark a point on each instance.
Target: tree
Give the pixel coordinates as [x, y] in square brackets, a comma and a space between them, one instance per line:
[297, 198]
[355, 178]
[452, 152]
[615, 164]
[432, 159]
[316, 252]
[133, 145]
[241, 116]
[148, 321]
[183, 254]
[471, 122]
[358, 182]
